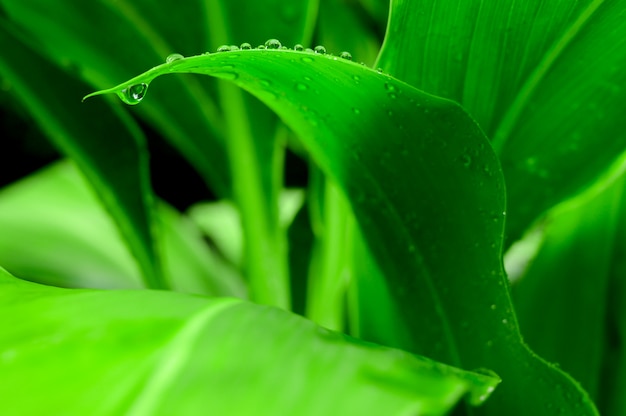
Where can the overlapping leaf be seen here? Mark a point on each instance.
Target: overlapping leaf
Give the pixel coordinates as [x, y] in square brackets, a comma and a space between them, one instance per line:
[438, 236]
[543, 80]
[77, 352]
[70, 241]
[116, 164]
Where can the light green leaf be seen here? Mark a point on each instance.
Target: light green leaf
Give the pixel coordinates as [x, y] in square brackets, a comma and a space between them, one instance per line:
[54, 231]
[438, 238]
[77, 352]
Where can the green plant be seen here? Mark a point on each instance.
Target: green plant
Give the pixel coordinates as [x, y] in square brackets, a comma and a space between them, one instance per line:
[397, 240]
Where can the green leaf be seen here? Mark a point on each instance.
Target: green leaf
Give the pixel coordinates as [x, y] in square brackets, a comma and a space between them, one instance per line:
[137, 35]
[116, 165]
[160, 353]
[565, 286]
[55, 232]
[525, 70]
[438, 238]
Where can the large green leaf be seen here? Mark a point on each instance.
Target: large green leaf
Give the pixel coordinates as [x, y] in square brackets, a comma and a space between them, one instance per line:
[55, 232]
[437, 237]
[77, 352]
[115, 164]
[526, 70]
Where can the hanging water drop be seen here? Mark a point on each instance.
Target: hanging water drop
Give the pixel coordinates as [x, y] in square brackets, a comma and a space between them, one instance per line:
[223, 48]
[134, 94]
[173, 57]
[346, 55]
[246, 46]
[273, 44]
[298, 47]
[320, 49]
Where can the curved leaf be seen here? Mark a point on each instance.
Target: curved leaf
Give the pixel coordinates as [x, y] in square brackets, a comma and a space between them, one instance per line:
[159, 353]
[437, 237]
[569, 278]
[55, 232]
[116, 165]
[525, 70]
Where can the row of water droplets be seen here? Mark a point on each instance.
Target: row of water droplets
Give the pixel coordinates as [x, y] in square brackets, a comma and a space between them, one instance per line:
[135, 93]
[276, 44]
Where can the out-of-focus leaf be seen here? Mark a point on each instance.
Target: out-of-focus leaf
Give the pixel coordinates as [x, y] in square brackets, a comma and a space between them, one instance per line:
[438, 239]
[138, 35]
[116, 164]
[221, 222]
[77, 352]
[561, 300]
[526, 71]
[55, 232]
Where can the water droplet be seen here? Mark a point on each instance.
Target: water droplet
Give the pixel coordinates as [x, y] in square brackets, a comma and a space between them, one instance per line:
[389, 87]
[346, 55]
[173, 57]
[234, 47]
[301, 87]
[379, 70]
[273, 44]
[320, 49]
[298, 47]
[223, 48]
[356, 111]
[505, 321]
[307, 60]
[356, 78]
[493, 307]
[261, 47]
[467, 160]
[133, 94]
[309, 50]
[390, 113]
[226, 75]
[284, 48]
[246, 46]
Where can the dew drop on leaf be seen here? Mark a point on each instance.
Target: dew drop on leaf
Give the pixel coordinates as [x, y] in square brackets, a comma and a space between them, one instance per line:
[346, 55]
[320, 49]
[467, 160]
[246, 46]
[273, 44]
[356, 111]
[261, 47]
[234, 47]
[298, 48]
[309, 50]
[307, 60]
[173, 57]
[301, 87]
[133, 94]
[223, 48]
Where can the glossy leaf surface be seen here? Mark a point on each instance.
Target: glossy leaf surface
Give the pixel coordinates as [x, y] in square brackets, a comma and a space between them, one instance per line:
[378, 132]
[542, 79]
[159, 353]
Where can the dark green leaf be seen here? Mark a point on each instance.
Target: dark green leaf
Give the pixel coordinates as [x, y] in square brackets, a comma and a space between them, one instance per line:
[116, 164]
[543, 80]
